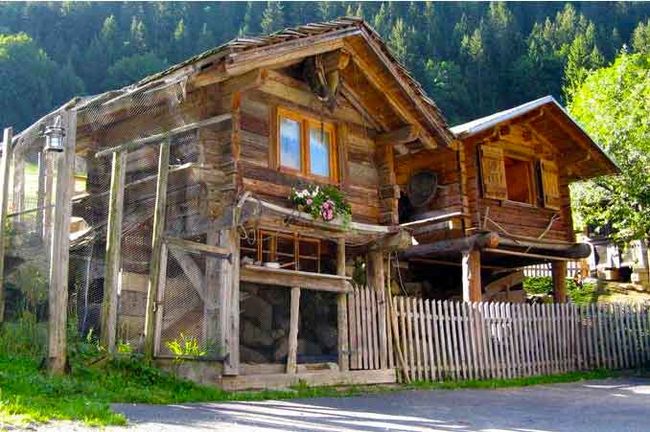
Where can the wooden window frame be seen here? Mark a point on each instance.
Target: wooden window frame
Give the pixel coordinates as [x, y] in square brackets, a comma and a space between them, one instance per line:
[260, 250]
[306, 122]
[533, 179]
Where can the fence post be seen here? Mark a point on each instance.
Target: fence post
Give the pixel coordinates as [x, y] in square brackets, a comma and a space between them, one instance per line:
[471, 266]
[342, 311]
[375, 269]
[60, 250]
[156, 249]
[113, 248]
[7, 149]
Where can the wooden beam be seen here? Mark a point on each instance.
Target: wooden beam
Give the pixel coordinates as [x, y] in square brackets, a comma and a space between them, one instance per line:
[5, 162]
[241, 62]
[558, 273]
[342, 311]
[195, 247]
[156, 249]
[18, 201]
[471, 268]
[60, 249]
[399, 136]
[173, 316]
[289, 278]
[211, 329]
[113, 249]
[230, 299]
[526, 254]
[40, 197]
[133, 145]
[294, 322]
[476, 241]
[428, 141]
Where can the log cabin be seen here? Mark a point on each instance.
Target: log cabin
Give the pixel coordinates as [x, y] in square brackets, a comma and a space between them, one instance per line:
[497, 200]
[195, 247]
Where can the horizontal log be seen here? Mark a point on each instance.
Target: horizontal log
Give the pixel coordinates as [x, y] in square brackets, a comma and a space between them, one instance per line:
[191, 246]
[159, 137]
[292, 278]
[476, 241]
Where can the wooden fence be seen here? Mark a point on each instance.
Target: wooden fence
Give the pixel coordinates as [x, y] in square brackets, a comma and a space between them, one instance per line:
[452, 340]
[540, 270]
[368, 330]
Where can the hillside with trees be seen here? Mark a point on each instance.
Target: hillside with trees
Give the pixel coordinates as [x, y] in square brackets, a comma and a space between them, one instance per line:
[472, 58]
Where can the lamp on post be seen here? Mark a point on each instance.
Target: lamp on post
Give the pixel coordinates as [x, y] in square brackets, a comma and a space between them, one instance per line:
[54, 136]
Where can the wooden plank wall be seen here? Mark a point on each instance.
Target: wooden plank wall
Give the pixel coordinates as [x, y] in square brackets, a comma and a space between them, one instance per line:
[359, 178]
[445, 340]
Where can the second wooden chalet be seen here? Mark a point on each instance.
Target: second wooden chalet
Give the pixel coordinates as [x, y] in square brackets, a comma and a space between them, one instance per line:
[496, 201]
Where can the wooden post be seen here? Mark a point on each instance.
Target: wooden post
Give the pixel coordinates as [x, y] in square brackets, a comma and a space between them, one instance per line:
[294, 321]
[229, 301]
[375, 277]
[48, 201]
[4, 198]
[471, 266]
[18, 201]
[40, 198]
[211, 329]
[558, 272]
[60, 249]
[342, 311]
[156, 250]
[113, 248]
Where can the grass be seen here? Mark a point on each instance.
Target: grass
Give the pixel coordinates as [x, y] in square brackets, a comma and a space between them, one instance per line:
[28, 395]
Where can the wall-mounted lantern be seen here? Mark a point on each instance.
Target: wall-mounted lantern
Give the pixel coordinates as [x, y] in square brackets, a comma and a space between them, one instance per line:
[54, 136]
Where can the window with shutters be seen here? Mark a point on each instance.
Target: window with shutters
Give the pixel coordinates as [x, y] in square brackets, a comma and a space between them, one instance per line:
[305, 145]
[550, 184]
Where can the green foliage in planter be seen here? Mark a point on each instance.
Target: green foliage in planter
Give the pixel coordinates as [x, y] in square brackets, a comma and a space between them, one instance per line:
[322, 202]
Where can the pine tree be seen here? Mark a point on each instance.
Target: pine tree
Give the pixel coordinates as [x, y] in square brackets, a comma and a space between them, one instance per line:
[273, 17]
[641, 38]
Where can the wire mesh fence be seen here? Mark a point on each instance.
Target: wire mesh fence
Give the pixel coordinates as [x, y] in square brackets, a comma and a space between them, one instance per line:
[115, 118]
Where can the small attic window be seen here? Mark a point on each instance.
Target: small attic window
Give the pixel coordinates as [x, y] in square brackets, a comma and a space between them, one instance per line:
[305, 145]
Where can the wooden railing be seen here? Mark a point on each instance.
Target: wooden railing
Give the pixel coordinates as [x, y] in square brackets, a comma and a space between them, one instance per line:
[459, 341]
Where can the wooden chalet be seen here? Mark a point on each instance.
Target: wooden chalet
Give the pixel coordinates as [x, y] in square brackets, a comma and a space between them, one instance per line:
[500, 200]
[186, 204]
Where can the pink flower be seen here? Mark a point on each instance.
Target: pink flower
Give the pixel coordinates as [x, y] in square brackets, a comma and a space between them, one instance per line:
[309, 201]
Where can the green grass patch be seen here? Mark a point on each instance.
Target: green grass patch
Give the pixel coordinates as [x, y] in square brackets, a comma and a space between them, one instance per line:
[515, 382]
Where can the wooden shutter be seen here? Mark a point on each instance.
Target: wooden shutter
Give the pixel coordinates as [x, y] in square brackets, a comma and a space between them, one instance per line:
[550, 184]
[493, 173]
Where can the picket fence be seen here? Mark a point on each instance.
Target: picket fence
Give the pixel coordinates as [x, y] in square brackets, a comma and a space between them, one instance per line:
[544, 270]
[442, 340]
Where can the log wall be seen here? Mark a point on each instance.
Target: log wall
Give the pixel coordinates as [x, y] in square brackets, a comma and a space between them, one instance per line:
[516, 218]
[358, 172]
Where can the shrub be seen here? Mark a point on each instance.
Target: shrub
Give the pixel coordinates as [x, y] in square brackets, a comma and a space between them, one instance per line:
[578, 294]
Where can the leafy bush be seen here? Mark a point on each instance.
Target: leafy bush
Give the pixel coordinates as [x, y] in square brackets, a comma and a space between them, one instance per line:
[544, 285]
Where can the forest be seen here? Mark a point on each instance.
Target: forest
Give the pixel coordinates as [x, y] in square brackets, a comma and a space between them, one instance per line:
[472, 58]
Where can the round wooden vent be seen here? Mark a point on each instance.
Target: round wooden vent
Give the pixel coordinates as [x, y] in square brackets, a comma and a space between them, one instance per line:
[422, 188]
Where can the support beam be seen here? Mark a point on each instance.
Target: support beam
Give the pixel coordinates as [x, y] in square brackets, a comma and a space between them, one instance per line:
[229, 299]
[211, 328]
[476, 241]
[113, 249]
[342, 311]
[403, 135]
[18, 201]
[156, 250]
[294, 321]
[558, 272]
[5, 162]
[471, 267]
[60, 250]
[40, 197]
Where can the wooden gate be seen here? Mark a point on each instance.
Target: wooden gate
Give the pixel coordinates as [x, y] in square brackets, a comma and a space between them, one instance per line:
[368, 330]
